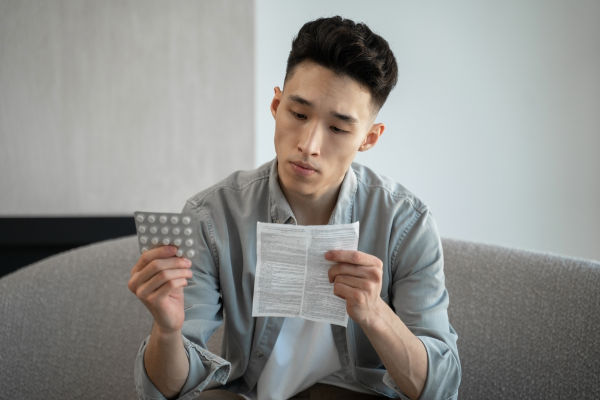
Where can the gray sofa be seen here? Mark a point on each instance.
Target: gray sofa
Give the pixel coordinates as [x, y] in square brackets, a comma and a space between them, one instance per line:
[528, 324]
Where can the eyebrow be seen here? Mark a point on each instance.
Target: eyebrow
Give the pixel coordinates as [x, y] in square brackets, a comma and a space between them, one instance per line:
[300, 100]
[344, 117]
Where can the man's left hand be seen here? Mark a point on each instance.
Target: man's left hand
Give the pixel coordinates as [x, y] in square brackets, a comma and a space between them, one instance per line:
[357, 279]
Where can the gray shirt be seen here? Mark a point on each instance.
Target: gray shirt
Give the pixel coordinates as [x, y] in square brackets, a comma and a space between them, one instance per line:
[394, 226]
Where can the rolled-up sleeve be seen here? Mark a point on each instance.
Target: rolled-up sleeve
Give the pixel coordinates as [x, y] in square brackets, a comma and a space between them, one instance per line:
[420, 299]
[205, 368]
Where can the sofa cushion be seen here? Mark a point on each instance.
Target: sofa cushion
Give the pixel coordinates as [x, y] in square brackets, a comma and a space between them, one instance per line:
[70, 326]
[528, 323]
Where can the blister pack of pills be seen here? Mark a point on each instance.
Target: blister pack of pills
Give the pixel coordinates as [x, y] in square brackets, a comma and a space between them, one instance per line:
[163, 229]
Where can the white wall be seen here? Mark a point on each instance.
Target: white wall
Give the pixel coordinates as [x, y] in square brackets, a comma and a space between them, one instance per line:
[107, 107]
[112, 106]
[495, 122]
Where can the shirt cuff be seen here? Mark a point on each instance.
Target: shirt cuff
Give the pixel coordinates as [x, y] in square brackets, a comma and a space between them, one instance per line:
[443, 373]
[205, 368]
[389, 382]
[143, 385]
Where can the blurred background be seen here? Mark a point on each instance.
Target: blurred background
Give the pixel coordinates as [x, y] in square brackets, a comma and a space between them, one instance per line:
[115, 106]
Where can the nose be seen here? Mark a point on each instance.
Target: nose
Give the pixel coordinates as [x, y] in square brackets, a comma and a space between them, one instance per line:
[310, 141]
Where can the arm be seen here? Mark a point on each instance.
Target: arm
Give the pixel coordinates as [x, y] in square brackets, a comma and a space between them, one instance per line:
[357, 279]
[166, 361]
[419, 302]
[174, 359]
[402, 353]
[157, 279]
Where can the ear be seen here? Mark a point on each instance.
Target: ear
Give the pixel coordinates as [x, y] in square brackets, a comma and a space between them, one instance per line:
[276, 100]
[372, 137]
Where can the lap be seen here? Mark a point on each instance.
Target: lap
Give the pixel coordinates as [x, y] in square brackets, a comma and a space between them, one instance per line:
[318, 391]
[321, 391]
[219, 394]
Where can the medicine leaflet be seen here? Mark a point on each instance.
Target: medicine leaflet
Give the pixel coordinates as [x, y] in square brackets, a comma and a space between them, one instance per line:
[292, 272]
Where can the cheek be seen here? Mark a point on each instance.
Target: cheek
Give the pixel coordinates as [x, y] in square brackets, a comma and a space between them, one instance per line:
[343, 149]
[281, 136]
[285, 130]
[340, 155]
[277, 140]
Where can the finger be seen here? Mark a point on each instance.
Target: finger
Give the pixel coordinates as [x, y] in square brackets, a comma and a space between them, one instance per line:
[167, 288]
[153, 254]
[349, 269]
[160, 279]
[346, 292]
[158, 265]
[154, 267]
[352, 257]
[353, 282]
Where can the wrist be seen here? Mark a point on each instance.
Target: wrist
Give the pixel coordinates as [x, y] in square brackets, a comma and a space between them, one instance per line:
[376, 320]
[164, 334]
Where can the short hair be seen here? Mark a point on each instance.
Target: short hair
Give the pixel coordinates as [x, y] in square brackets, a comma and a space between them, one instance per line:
[350, 49]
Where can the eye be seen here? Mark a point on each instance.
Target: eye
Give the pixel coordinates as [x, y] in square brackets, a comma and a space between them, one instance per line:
[335, 129]
[298, 115]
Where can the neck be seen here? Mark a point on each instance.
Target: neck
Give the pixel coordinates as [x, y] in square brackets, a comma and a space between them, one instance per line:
[311, 210]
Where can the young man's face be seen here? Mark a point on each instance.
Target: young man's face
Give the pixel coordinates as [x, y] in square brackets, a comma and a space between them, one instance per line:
[321, 121]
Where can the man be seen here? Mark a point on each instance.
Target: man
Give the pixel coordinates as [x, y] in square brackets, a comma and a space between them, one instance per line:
[398, 342]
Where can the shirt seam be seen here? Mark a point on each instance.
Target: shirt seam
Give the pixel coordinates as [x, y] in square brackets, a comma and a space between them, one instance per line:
[395, 194]
[403, 235]
[198, 202]
[211, 235]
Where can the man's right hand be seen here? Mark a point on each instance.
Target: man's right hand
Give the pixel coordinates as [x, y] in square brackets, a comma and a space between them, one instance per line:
[158, 279]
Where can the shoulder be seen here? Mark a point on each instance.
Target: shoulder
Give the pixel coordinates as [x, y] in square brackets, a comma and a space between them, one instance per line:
[238, 186]
[380, 188]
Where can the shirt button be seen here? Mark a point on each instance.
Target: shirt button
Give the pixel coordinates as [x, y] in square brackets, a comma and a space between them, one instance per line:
[260, 354]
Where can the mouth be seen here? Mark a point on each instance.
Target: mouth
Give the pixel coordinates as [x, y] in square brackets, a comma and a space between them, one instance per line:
[303, 168]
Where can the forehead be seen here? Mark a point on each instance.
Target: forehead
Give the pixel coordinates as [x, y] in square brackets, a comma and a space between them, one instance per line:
[324, 88]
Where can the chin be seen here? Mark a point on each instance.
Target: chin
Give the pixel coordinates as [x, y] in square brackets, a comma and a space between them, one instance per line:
[303, 188]
[300, 187]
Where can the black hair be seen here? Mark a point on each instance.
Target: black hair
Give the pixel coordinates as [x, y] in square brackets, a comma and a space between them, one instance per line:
[350, 49]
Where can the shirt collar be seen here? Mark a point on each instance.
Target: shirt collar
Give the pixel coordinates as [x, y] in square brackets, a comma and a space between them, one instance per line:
[281, 212]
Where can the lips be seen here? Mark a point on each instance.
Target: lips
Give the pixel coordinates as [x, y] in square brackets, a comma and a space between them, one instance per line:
[304, 165]
[303, 168]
